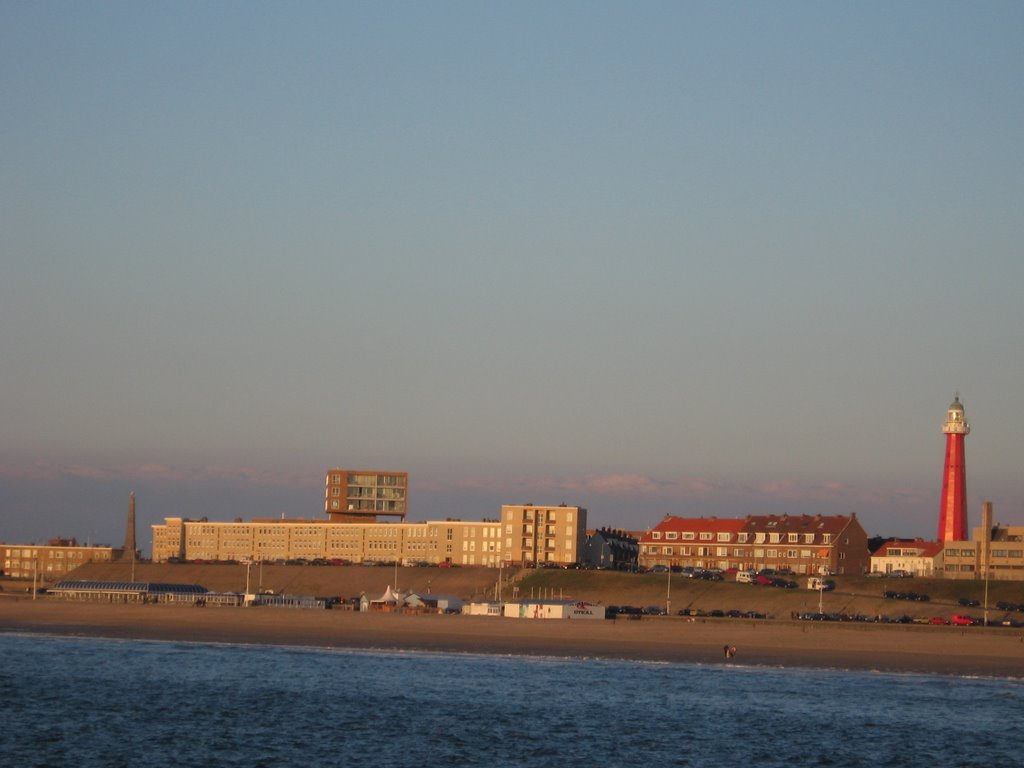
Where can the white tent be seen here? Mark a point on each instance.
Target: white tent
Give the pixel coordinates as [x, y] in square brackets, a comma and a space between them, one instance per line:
[389, 601]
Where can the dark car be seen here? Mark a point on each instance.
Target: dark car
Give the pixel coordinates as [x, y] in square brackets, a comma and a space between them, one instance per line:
[968, 602]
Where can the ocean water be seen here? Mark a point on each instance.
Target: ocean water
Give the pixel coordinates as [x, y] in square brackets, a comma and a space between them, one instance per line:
[94, 702]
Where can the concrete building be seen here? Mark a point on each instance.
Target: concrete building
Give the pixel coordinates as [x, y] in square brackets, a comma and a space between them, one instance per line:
[453, 542]
[538, 535]
[361, 495]
[52, 561]
[803, 544]
[995, 551]
[915, 557]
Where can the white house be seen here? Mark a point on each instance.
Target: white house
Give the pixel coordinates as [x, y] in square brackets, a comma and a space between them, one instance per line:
[917, 558]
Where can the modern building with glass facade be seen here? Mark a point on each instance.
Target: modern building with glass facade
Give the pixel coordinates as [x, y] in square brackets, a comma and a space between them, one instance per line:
[360, 495]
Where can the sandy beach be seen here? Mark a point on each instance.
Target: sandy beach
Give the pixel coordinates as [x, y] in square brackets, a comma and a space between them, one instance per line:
[944, 650]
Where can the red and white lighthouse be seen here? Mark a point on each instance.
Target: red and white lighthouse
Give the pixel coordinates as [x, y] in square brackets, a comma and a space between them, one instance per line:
[953, 505]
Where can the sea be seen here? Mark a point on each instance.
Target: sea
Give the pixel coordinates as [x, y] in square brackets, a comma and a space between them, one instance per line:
[72, 701]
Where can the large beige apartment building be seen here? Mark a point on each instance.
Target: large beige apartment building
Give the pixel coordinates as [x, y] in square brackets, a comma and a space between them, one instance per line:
[447, 541]
[535, 535]
[525, 535]
[994, 551]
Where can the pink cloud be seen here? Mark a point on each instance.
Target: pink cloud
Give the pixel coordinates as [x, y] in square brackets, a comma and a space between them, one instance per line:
[633, 485]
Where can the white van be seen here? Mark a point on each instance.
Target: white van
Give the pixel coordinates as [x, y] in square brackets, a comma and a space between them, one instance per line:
[817, 582]
[746, 577]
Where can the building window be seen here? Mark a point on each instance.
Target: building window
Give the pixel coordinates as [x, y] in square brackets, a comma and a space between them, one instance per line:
[672, 535]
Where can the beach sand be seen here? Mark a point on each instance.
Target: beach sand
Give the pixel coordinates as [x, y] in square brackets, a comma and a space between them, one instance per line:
[945, 650]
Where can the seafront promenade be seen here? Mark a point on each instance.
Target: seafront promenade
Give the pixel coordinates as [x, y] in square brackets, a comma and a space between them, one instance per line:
[944, 650]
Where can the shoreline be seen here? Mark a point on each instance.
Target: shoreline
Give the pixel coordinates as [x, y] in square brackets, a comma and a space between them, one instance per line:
[969, 651]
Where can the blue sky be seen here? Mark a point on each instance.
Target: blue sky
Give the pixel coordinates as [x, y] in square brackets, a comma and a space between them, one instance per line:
[650, 258]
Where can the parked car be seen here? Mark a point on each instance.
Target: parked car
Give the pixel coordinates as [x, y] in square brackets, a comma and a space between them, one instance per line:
[962, 620]
[939, 620]
[968, 602]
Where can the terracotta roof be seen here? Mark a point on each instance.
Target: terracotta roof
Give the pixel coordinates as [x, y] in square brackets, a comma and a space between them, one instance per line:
[696, 525]
[833, 524]
[926, 548]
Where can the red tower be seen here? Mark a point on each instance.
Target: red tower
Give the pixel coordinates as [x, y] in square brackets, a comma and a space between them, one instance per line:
[953, 505]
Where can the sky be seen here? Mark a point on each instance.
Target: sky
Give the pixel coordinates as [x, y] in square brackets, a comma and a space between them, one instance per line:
[648, 258]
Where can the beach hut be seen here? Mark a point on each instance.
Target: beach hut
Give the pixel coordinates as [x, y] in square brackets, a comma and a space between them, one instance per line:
[488, 608]
[442, 603]
[553, 609]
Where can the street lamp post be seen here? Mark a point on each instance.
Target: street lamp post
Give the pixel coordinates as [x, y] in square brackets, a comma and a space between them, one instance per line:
[668, 592]
[987, 568]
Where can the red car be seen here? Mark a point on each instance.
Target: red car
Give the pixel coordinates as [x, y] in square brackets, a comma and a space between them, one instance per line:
[960, 620]
[938, 620]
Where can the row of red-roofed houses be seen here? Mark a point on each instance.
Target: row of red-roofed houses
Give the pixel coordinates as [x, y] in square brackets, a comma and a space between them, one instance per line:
[801, 544]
